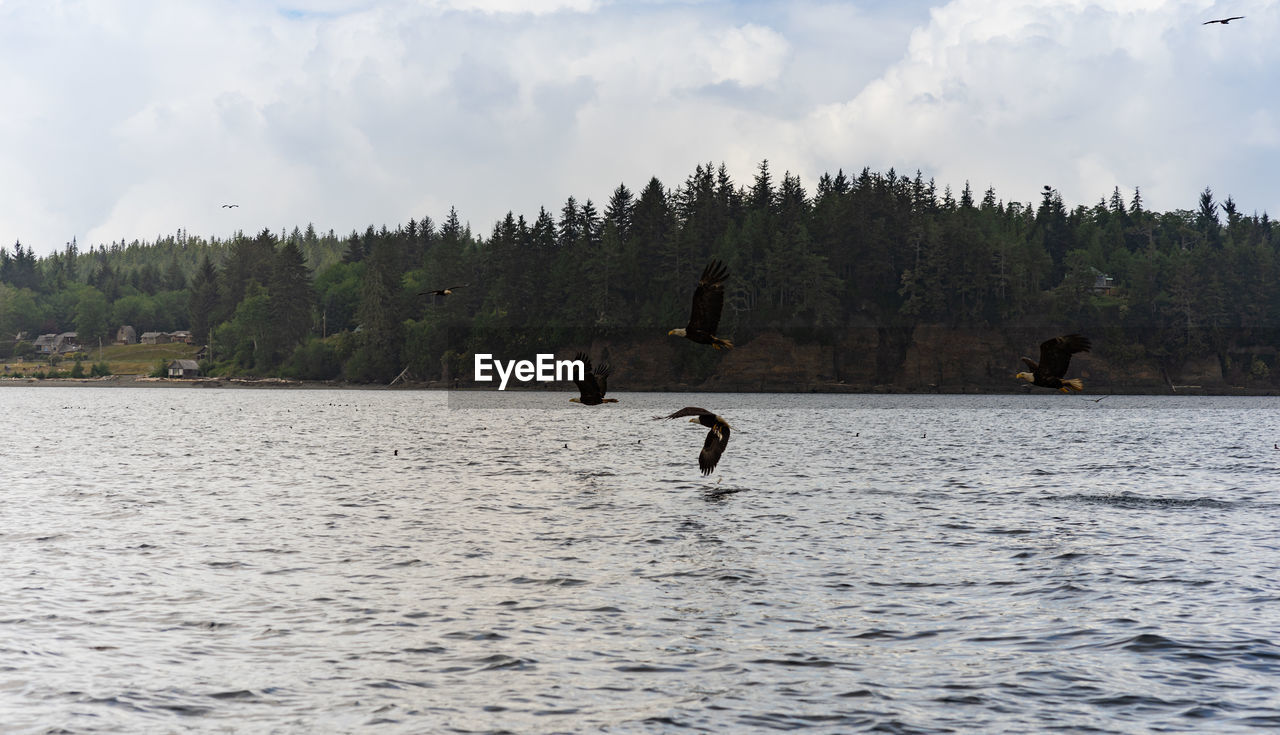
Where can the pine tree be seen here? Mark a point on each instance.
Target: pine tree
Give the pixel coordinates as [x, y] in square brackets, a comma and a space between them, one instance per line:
[291, 299]
[174, 278]
[1207, 220]
[377, 357]
[203, 300]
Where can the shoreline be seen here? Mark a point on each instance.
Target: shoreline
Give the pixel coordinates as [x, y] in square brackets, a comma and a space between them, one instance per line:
[140, 381]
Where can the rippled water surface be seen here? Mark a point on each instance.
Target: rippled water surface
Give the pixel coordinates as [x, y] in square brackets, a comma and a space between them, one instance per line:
[333, 561]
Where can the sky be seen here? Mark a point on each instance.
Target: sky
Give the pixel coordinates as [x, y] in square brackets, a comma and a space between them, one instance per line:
[133, 119]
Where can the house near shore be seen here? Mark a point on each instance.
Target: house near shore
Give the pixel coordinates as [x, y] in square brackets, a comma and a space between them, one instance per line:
[184, 369]
[57, 344]
[126, 335]
[66, 342]
[182, 336]
[44, 344]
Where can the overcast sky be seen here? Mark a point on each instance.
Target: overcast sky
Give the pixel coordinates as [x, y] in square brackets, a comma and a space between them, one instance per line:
[124, 119]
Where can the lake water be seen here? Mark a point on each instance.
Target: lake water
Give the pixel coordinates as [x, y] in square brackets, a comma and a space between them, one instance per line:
[338, 561]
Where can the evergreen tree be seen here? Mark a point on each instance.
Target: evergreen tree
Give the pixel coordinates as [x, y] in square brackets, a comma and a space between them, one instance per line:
[1207, 222]
[174, 278]
[203, 300]
[377, 357]
[291, 301]
[91, 316]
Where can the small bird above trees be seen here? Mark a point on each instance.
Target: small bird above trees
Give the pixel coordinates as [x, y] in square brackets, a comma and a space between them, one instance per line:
[1223, 21]
[1055, 357]
[708, 301]
[717, 438]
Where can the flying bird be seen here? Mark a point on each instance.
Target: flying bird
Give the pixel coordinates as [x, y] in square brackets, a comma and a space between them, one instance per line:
[717, 438]
[708, 301]
[591, 388]
[443, 291]
[229, 206]
[1055, 356]
[1223, 21]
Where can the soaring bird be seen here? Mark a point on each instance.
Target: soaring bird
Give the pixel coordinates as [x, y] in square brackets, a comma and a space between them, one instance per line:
[1055, 356]
[717, 438]
[1223, 21]
[229, 206]
[591, 388]
[708, 301]
[443, 291]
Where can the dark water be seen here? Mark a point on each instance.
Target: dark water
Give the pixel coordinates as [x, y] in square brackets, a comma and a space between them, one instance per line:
[325, 561]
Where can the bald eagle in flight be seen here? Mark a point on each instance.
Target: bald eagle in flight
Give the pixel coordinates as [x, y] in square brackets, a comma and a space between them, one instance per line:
[1223, 21]
[717, 438]
[591, 388]
[708, 301]
[443, 291]
[1055, 356]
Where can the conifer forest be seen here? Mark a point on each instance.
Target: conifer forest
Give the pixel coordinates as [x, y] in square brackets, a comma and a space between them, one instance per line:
[876, 251]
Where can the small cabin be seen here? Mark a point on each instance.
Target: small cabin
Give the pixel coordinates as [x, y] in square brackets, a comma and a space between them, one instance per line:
[66, 342]
[44, 343]
[184, 369]
[156, 338]
[1102, 283]
[126, 335]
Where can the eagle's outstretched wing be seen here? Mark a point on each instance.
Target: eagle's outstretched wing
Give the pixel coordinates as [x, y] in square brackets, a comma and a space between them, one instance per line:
[589, 390]
[1055, 354]
[713, 447]
[708, 299]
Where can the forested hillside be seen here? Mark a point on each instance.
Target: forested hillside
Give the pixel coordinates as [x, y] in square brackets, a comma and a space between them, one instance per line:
[880, 254]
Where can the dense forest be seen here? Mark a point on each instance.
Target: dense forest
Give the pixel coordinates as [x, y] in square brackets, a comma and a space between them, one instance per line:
[877, 251]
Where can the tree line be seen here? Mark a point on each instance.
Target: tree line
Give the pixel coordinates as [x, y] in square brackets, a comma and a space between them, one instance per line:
[876, 250]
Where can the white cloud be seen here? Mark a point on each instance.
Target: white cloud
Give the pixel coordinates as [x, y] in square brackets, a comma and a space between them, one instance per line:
[132, 119]
[519, 6]
[748, 55]
[140, 118]
[1082, 95]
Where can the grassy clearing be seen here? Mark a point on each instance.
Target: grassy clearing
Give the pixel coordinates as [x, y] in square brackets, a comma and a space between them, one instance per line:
[123, 359]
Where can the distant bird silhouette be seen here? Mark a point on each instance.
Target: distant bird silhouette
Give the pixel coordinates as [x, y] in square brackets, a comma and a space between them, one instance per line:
[443, 291]
[1223, 21]
[229, 206]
